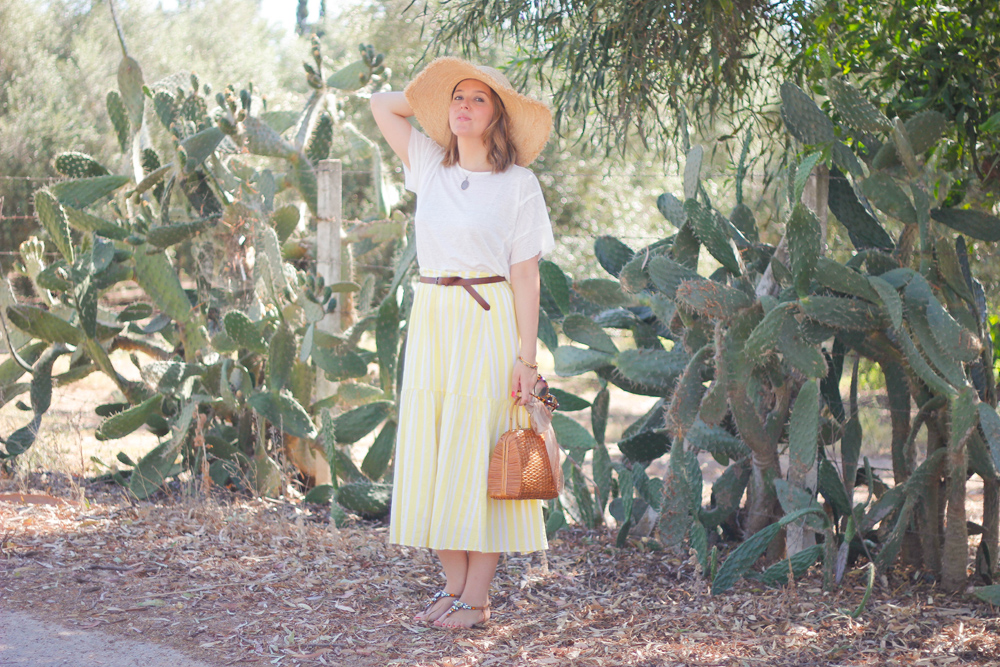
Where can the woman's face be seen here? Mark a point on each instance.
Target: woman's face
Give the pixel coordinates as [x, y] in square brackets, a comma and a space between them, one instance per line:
[471, 110]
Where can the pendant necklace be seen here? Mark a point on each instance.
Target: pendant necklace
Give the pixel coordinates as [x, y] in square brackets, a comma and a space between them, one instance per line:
[465, 183]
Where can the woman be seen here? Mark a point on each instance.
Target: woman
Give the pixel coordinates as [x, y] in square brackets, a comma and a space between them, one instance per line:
[481, 227]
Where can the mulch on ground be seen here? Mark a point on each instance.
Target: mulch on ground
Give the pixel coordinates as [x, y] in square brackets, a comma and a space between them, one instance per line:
[235, 581]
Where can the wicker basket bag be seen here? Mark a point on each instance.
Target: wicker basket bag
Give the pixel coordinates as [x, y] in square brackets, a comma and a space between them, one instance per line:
[521, 468]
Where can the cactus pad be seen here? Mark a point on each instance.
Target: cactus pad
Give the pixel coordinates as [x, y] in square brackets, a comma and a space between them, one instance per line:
[602, 292]
[839, 278]
[262, 140]
[119, 119]
[710, 231]
[652, 367]
[43, 325]
[584, 330]
[82, 192]
[711, 299]
[244, 332]
[851, 314]
[646, 445]
[355, 424]
[804, 120]
[53, 219]
[864, 230]
[571, 361]
[855, 109]
[199, 146]
[804, 245]
[672, 209]
[284, 412]
[319, 143]
[921, 131]
[127, 421]
[371, 501]
[79, 165]
[612, 254]
[668, 275]
[165, 236]
[692, 171]
[976, 224]
[886, 195]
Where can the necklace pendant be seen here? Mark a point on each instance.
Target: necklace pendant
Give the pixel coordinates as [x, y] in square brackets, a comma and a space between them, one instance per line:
[465, 183]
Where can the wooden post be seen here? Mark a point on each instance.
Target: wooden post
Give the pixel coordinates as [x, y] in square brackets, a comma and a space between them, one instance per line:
[329, 218]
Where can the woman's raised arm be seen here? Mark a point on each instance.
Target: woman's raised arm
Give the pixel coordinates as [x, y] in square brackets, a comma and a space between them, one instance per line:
[390, 111]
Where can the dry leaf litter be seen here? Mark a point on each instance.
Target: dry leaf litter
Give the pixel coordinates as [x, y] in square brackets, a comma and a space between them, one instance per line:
[234, 581]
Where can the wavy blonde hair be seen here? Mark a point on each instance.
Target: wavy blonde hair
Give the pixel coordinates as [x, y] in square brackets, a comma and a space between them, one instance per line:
[500, 150]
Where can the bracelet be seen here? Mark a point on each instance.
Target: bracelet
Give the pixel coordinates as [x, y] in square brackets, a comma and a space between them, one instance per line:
[533, 367]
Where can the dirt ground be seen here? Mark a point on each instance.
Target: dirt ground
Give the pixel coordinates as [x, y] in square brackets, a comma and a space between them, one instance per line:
[228, 580]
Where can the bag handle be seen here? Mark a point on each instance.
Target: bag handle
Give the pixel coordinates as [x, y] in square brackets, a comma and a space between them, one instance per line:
[510, 417]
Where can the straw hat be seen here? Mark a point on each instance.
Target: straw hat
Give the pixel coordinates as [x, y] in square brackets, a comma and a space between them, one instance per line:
[430, 96]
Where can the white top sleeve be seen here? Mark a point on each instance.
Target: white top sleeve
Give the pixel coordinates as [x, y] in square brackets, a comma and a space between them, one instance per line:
[496, 220]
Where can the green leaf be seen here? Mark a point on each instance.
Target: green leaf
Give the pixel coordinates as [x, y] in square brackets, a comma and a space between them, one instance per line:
[777, 574]
[43, 325]
[53, 219]
[130, 84]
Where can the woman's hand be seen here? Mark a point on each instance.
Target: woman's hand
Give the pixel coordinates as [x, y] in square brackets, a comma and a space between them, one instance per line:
[523, 382]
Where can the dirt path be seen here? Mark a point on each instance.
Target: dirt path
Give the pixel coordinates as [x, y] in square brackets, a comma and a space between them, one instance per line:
[27, 641]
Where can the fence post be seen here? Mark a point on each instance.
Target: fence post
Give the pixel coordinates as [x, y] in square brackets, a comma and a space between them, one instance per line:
[329, 217]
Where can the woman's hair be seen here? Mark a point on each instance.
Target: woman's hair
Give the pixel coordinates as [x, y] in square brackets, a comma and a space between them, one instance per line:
[500, 150]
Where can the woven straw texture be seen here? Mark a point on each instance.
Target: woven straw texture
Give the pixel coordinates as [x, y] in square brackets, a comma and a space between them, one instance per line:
[520, 468]
[430, 95]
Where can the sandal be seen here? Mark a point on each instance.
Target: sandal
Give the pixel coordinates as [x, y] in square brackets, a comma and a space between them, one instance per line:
[458, 605]
[440, 595]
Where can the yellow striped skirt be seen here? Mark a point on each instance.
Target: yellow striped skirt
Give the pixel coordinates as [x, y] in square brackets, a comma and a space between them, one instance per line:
[454, 405]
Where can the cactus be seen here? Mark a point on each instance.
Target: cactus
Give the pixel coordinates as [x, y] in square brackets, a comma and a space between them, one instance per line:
[710, 299]
[371, 501]
[843, 313]
[165, 236]
[284, 412]
[883, 192]
[804, 246]
[119, 119]
[855, 109]
[803, 119]
[977, 224]
[711, 233]
[583, 330]
[127, 421]
[53, 220]
[864, 230]
[922, 131]
[646, 445]
[612, 254]
[82, 192]
[655, 368]
[78, 165]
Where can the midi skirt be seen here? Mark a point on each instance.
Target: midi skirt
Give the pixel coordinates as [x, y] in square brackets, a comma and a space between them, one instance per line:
[454, 405]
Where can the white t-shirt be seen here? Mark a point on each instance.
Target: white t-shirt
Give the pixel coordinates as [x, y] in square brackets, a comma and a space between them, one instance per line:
[499, 220]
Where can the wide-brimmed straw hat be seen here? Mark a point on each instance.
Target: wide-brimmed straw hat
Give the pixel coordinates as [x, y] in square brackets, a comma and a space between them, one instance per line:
[430, 95]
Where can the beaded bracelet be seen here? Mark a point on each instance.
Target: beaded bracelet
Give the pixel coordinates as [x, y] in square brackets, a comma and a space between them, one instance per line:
[533, 367]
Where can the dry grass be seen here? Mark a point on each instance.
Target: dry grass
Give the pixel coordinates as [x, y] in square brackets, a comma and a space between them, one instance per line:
[238, 581]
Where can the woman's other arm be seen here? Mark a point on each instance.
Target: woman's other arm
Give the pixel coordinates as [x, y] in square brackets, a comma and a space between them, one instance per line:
[390, 111]
[524, 281]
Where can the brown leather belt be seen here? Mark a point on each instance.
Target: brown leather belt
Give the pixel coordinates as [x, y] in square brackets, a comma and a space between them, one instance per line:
[467, 283]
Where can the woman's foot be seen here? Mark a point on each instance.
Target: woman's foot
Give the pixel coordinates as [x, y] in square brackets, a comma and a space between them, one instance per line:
[439, 604]
[463, 615]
